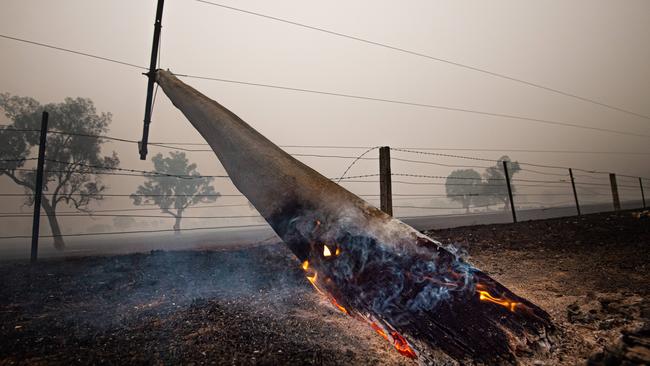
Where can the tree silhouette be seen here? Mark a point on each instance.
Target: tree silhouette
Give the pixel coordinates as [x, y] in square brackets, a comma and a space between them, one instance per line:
[495, 189]
[173, 195]
[464, 186]
[67, 179]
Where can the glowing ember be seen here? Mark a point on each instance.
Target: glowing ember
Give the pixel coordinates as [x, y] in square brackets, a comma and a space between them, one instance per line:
[378, 329]
[312, 280]
[338, 251]
[485, 296]
[305, 265]
[336, 304]
[402, 346]
[326, 251]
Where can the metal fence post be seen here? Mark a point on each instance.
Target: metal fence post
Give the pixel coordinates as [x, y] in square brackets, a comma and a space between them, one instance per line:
[575, 193]
[615, 198]
[38, 187]
[512, 202]
[385, 185]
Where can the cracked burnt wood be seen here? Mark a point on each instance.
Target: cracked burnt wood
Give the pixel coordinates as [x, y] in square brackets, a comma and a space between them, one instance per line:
[427, 301]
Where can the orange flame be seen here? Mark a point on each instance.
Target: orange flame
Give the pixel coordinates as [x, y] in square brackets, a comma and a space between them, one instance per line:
[485, 296]
[379, 330]
[305, 265]
[402, 346]
[343, 310]
[312, 280]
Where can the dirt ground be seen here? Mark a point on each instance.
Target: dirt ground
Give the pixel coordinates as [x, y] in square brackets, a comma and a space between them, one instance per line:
[254, 306]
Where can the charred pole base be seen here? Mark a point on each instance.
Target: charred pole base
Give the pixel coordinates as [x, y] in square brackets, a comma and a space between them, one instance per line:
[429, 303]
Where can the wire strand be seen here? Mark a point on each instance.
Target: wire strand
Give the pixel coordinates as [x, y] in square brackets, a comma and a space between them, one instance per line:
[423, 55]
[417, 104]
[134, 232]
[72, 51]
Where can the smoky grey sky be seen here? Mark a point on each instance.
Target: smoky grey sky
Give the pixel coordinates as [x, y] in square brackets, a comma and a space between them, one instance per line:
[595, 49]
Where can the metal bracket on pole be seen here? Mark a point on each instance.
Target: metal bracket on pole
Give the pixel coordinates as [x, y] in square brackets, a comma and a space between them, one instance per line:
[38, 187]
[152, 79]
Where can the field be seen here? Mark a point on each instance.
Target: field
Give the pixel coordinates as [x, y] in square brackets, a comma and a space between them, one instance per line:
[253, 306]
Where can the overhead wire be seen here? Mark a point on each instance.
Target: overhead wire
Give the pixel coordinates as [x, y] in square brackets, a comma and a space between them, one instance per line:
[423, 55]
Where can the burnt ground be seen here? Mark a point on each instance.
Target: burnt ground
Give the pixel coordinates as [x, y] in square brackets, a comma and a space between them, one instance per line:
[253, 305]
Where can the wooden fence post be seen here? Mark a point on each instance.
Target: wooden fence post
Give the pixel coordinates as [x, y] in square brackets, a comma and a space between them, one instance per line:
[575, 193]
[642, 193]
[512, 202]
[385, 185]
[615, 198]
[38, 188]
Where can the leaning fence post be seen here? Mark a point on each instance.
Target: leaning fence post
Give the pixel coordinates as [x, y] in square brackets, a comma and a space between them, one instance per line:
[38, 187]
[512, 202]
[575, 193]
[616, 200]
[642, 194]
[385, 186]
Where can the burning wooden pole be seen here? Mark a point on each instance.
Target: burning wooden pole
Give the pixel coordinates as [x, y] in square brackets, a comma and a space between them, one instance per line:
[428, 302]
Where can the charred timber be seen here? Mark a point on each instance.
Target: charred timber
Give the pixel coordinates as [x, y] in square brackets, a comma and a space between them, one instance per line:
[426, 300]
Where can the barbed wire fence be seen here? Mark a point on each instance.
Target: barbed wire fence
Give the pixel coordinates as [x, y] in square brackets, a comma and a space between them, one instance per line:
[537, 189]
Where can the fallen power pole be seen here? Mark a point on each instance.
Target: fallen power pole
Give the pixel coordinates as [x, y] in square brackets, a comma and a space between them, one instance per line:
[152, 79]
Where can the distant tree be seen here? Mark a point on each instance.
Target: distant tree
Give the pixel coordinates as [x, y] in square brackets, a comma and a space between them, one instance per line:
[464, 186]
[495, 189]
[68, 180]
[173, 195]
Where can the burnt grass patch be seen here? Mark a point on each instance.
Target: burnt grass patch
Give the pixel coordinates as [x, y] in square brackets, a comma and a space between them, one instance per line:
[254, 306]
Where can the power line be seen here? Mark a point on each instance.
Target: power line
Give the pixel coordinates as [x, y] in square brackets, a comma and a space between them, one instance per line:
[420, 54]
[431, 149]
[416, 104]
[424, 105]
[72, 51]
